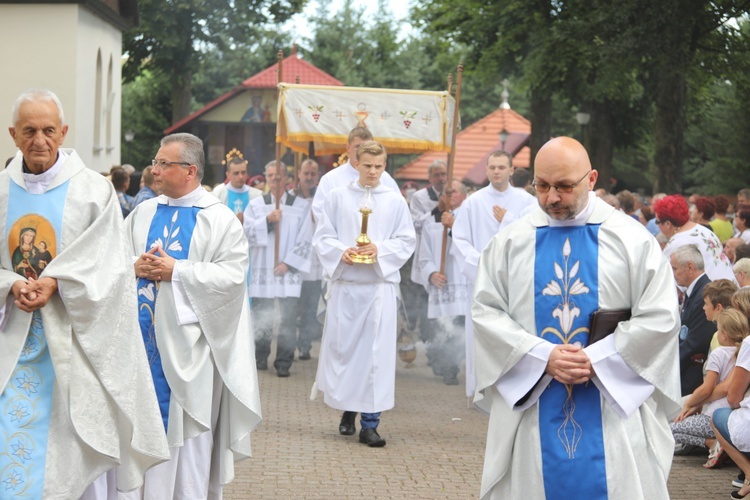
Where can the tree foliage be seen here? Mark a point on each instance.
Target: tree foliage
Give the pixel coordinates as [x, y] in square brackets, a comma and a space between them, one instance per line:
[665, 82]
[145, 113]
[630, 63]
[173, 36]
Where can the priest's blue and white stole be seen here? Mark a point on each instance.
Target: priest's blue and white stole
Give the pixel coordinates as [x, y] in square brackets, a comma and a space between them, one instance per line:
[238, 201]
[570, 418]
[33, 228]
[171, 229]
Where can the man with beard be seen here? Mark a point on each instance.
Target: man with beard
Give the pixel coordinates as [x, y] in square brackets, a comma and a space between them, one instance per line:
[539, 282]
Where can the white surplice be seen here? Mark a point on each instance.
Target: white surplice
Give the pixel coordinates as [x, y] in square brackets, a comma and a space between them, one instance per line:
[421, 203]
[474, 227]
[357, 367]
[104, 409]
[316, 270]
[452, 298]
[636, 367]
[203, 328]
[294, 245]
[339, 177]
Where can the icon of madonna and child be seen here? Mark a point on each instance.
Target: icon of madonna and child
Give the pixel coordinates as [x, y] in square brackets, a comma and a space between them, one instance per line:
[30, 257]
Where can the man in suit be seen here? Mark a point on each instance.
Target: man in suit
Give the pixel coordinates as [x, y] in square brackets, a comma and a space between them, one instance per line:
[696, 330]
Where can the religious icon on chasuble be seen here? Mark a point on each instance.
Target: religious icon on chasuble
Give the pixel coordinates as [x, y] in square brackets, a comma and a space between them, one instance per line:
[32, 244]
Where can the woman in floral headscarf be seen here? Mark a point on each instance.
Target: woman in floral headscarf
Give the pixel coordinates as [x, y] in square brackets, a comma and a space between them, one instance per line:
[673, 220]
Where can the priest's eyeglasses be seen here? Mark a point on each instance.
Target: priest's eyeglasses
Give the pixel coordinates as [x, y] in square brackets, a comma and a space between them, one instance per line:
[543, 187]
[166, 164]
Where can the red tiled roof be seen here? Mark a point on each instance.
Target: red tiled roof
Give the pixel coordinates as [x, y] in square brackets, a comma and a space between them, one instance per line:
[474, 144]
[291, 67]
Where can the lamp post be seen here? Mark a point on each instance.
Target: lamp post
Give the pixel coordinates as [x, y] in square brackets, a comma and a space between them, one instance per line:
[503, 138]
[129, 136]
[583, 119]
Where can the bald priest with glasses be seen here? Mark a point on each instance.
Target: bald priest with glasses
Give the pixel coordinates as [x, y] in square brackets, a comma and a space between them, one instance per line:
[576, 321]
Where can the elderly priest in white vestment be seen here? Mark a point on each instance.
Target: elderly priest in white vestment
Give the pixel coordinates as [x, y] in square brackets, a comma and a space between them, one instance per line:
[569, 421]
[190, 258]
[77, 398]
[357, 367]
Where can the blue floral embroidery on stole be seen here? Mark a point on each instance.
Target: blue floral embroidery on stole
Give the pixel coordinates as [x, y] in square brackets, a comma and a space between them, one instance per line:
[26, 400]
[570, 417]
[171, 229]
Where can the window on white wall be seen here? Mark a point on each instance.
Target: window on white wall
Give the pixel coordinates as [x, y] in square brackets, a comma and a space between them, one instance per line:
[110, 105]
[98, 104]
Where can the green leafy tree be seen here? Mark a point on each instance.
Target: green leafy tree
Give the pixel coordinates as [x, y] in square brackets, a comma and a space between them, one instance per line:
[618, 60]
[145, 114]
[222, 70]
[173, 35]
[718, 124]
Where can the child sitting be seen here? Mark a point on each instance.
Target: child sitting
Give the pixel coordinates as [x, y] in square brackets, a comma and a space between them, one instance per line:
[717, 296]
[691, 426]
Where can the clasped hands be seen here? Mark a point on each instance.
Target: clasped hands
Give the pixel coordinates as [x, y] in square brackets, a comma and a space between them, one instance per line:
[569, 364]
[368, 249]
[155, 265]
[35, 294]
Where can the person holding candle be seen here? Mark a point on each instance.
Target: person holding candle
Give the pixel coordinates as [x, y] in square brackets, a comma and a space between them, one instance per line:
[357, 367]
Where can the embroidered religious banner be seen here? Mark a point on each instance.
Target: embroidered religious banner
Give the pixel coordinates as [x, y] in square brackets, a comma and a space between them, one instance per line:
[405, 121]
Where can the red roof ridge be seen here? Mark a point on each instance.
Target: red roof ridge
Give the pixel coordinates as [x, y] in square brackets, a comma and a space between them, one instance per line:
[292, 66]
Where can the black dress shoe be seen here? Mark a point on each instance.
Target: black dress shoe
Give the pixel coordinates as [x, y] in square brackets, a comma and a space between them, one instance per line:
[261, 364]
[347, 427]
[282, 371]
[371, 438]
[304, 355]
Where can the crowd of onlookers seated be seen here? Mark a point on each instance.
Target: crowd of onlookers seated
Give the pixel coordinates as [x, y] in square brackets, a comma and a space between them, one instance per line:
[706, 241]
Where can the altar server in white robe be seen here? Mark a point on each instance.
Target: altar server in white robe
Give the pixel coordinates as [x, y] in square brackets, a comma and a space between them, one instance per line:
[236, 194]
[281, 281]
[357, 367]
[76, 393]
[447, 292]
[190, 259]
[568, 421]
[481, 217]
[415, 296]
[308, 326]
[346, 173]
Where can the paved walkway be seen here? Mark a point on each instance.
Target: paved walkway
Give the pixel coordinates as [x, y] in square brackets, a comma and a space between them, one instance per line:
[435, 446]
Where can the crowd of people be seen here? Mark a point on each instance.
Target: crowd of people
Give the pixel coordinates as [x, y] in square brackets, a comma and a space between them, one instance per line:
[596, 329]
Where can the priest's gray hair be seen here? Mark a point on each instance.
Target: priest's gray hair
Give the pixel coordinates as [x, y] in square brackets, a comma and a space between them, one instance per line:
[34, 95]
[435, 164]
[272, 163]
[461, 186]
[192, 150]
[742, 266]
[689, 253]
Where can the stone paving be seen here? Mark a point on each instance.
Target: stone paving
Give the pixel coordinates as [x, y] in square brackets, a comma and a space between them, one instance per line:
[435, 446]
